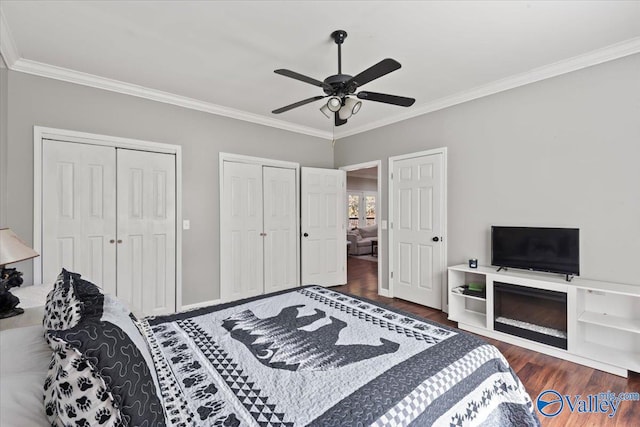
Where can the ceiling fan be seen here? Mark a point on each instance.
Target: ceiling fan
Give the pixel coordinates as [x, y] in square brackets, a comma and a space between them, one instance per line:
[339, 87]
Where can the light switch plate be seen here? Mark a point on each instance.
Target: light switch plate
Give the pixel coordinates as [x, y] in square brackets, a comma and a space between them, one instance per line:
[186, 224]
[384, 224]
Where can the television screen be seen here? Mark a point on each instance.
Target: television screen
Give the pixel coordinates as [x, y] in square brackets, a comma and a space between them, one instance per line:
[553, 250]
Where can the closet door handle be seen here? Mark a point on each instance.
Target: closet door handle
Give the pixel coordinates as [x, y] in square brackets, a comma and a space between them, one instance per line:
[263, 234]
[112, 241]
[119, 240]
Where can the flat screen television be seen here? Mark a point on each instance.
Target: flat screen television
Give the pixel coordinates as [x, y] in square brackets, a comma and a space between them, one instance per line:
[552, 250]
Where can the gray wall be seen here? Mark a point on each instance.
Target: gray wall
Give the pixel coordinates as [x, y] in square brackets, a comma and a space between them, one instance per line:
[560, 152]
[46, 102]
[361, 184]
[3, 142]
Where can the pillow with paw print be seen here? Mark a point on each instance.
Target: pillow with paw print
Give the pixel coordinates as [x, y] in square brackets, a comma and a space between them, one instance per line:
[75, 393]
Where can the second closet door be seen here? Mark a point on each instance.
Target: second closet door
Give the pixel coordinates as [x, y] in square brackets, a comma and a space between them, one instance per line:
[280, 234]
[258, 230]
[242, 257]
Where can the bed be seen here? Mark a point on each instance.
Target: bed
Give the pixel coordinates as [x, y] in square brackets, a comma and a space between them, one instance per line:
[306, 356]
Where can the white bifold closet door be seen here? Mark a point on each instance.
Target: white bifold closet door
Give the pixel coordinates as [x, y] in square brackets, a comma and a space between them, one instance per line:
[258, 230]
[79, 212]
[109, 214]
[241, 227]
[146, 221]
[280, 240]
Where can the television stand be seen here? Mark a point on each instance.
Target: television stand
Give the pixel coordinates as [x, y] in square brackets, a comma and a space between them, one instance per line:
[601, 325]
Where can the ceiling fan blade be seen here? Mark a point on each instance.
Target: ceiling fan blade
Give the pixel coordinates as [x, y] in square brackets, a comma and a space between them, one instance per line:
[376, 71]
[297, 104]
[387, 99]
[302, 78]
[338, 120]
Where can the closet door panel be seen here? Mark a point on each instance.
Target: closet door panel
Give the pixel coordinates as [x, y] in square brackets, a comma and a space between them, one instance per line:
[79, 212]
[146, 231]
[242, 263]
[279, 192]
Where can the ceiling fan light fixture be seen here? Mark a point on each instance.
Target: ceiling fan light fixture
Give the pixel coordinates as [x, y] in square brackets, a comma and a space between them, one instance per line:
[325, 110]
[353, 105]
[334, 103]
[341, 88]
[345, 112]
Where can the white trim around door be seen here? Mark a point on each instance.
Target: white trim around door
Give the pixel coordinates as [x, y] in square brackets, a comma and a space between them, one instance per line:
[443, 213]
[381, 246]
[41, 133]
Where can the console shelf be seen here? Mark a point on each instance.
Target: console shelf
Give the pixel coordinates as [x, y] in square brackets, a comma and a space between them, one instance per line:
[472, 310]
[458, 291]
[615, 322]
[603, 318]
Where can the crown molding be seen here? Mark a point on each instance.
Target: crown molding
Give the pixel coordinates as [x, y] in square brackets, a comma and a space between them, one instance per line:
[10, 53]
[85, 79]
[599, 56]
[8, 48]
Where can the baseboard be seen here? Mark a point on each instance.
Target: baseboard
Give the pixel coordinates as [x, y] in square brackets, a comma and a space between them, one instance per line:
[200, 305]
[384, 292]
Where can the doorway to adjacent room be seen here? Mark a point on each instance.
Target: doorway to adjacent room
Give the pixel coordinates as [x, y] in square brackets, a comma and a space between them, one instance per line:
[362, 210]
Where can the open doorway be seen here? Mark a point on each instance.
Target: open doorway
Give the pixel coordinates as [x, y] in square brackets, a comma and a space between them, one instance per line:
[362, 210]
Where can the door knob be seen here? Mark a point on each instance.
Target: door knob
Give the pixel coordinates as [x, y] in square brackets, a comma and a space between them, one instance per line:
[435, 239]
[112, 241]
[119, 240]
[306, 234]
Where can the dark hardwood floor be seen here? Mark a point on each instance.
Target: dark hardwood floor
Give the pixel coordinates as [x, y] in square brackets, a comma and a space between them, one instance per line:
[537, 371]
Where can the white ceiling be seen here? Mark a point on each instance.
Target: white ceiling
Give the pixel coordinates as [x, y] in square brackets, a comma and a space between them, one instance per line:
[220, 56]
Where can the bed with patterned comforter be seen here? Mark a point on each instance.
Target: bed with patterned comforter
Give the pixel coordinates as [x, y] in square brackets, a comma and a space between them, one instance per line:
[314, 356]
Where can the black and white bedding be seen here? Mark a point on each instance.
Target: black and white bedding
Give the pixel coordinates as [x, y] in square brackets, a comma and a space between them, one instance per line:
[313, 356]
[306, 356]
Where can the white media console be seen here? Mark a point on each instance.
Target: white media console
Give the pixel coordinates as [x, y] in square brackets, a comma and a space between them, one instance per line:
[602, 319]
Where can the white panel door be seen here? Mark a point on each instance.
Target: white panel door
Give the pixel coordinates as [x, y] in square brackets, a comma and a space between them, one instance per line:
[79, 212]
[241, 263]
[280, 240]
[146, 231]
[323, 241]
[417, 229]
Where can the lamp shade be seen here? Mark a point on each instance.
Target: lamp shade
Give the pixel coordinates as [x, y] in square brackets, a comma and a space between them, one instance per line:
[325, 110]
[344, 113]
[334, 103]
[353, 105]
[12, 249]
